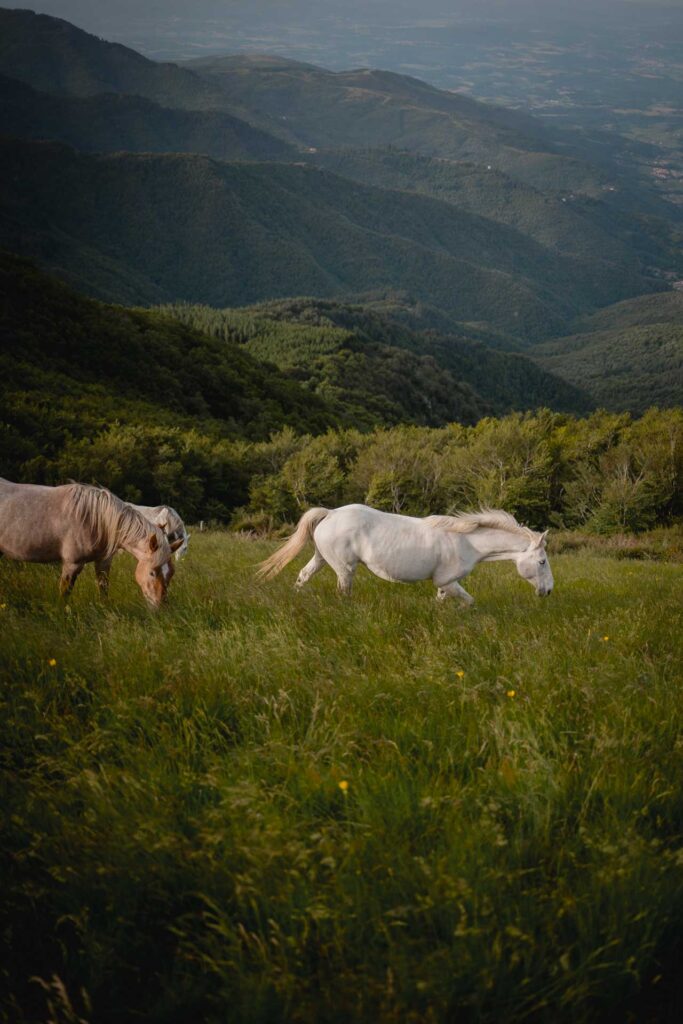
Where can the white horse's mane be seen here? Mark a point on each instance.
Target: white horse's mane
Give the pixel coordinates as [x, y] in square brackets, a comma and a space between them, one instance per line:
[491, 518]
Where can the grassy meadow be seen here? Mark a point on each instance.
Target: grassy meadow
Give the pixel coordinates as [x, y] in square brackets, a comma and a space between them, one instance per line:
[262, 806]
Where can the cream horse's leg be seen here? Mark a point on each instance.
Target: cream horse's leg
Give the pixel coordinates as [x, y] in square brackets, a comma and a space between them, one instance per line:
[70, 573]
[310, 569]
[453, 589]
[102, 576]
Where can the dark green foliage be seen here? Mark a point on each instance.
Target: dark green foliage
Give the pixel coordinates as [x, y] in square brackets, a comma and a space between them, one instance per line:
[603, 474]
[72, 368]
[626, 356]
[397, 373]
[150, 228]
[114, 122]
[54, 56]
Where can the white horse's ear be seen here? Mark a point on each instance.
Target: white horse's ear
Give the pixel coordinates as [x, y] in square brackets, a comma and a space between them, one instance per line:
[541, 540]
[162, 519]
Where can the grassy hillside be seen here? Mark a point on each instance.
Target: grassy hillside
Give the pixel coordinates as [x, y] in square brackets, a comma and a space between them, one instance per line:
[154, 228]
[265, 806]
[111, 122]
[353, 351]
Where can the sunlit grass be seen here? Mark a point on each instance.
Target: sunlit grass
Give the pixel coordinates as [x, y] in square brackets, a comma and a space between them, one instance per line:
[264, 805]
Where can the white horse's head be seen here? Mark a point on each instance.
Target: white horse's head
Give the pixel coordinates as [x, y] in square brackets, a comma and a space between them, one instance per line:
[533, 566]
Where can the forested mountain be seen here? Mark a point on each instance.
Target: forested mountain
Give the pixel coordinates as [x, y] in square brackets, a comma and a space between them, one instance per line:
[162, 412]
[173, 227]
[600, 223]
[54, 56]
[382, 369]
[111, 122]
[70, 366]
[627, 356]
[246, 180]
[306, 105]
[318, 108]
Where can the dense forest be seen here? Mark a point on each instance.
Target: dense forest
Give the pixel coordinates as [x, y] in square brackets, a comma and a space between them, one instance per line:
[159, 411]
[117, 224]
[380, 368]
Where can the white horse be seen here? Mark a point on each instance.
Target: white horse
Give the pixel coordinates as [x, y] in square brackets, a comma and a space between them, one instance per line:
[169, 521]
[404, 549]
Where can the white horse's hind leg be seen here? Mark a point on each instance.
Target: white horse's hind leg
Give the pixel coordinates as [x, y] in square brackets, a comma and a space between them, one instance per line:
[453, 589]
[345, 579]
[310, 569]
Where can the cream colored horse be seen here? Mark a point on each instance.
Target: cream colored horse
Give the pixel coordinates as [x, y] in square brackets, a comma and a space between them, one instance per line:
[75, 524]
[168, 520]
[404, 549]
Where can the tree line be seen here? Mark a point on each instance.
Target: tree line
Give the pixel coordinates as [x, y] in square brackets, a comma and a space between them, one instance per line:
[603, 473]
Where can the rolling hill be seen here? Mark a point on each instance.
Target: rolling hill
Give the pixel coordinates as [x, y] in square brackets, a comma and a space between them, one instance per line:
[380, 367]
[55, 56]
[111, 122]
[303, 104]
[601, 228]
[149, 229]
[147, 400]
[80, 364]
[626, 357]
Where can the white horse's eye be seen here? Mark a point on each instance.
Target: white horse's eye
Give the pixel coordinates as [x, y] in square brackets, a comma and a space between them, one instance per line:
[542, 561]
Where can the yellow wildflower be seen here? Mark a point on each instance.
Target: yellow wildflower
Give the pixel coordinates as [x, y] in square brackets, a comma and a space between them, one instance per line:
[605, 638]
[52, 662]
[460, 674]
[343, 785]
[511, 693]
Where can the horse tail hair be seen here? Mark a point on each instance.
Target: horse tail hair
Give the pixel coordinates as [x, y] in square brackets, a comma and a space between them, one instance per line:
[293, 545]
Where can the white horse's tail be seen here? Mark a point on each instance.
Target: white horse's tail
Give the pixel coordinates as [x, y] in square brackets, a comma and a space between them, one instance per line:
[293, 545]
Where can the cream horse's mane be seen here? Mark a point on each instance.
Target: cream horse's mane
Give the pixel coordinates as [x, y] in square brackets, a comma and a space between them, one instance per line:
[491, 518]
[113, 521]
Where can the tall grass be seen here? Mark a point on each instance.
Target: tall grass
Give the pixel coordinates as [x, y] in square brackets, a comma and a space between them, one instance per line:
[177, 845]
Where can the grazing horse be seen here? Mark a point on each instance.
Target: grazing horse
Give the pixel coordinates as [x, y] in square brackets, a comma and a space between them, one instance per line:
[74, 524]
[404, 549]
[170, 522]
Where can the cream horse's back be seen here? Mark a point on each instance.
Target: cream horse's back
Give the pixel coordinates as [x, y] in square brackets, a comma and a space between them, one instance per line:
[405, 549]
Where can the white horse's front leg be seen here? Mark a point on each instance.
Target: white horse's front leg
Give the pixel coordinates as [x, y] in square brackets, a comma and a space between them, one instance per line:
[453, 589]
